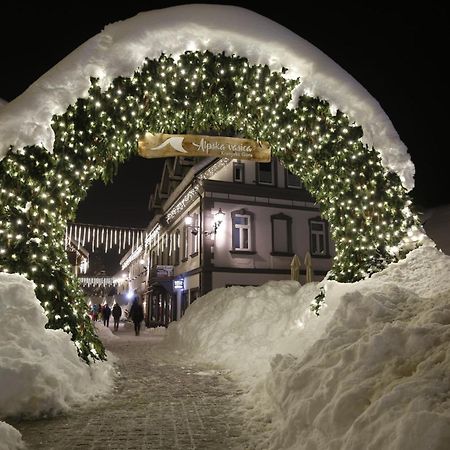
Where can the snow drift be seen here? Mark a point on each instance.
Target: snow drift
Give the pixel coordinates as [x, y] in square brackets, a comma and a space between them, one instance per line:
[40, 371]
[10, 438]
[372, 372]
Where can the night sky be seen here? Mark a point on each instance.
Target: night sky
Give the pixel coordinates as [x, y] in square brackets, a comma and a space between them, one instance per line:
[397, 54]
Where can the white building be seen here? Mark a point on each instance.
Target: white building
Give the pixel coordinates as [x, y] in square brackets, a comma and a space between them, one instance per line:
[221, 223]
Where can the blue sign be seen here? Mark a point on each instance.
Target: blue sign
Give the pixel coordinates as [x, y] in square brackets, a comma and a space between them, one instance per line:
[178, 284]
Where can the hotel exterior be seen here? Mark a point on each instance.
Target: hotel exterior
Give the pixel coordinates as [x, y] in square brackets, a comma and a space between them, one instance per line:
[219, 223]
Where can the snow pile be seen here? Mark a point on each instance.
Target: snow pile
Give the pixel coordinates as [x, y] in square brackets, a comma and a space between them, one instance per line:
[105, 334]
[122, 47]
[372, 372]
[40, 371]
[259, 321]
[10, 438]
[155, 331]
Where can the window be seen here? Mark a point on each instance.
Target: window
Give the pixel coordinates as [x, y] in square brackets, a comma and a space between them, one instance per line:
[318, 234]
[153, 259]
[292, 181]
[193, 295]
[242, 232]
[238, 172]
[265, 173]
[176, 250]
[185, 242]
[281, 234]
[194, 237]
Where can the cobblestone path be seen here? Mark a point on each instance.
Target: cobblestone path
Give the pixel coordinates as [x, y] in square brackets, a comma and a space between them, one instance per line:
[160, 402]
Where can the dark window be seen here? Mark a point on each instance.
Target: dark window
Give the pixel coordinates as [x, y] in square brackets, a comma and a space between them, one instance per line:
[193, 295]
[194, 237]
[176, 250]
[238, 173]
[281, 234]
[293, 181]
[184, 302]
[185, 244]
[265, 173]
[318, 236]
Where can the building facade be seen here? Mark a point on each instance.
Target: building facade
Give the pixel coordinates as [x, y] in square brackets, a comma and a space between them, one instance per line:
[220, 223]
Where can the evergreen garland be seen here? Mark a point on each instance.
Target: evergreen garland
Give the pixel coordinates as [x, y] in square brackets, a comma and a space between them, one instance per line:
[367, 207]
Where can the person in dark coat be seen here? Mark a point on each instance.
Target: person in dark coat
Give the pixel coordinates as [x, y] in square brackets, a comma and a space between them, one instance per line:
[137, 314]
[106, 313]
[117, 314]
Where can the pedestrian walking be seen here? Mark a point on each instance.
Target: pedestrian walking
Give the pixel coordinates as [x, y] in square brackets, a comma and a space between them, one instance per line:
[116, 313]
[137, 314]
[106, 313]
[94, 312]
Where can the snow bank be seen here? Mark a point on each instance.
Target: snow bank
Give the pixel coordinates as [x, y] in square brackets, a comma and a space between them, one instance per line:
[372, 372]
[259, 321]
[104, 333]
[121, 48]
[10, 438]
[40, 372]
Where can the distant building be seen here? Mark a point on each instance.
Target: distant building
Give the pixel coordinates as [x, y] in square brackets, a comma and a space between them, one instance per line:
[220, 223]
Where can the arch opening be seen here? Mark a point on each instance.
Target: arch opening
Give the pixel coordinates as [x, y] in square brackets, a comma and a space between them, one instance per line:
[366, 206]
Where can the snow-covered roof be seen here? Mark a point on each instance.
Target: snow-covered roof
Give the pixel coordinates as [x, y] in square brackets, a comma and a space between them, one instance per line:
[122, 46]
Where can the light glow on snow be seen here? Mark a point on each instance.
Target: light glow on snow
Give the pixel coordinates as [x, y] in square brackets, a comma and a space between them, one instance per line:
[40, 371]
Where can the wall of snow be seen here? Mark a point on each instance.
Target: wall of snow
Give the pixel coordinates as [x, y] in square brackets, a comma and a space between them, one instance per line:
[121, 48]
[10, 438]
[371, 372]
[40, 371]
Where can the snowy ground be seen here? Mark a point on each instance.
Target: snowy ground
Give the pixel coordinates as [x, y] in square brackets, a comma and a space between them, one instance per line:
[372, 372]
[160, 402]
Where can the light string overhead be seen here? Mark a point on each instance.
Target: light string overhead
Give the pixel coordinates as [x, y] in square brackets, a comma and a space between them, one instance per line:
[369, 212]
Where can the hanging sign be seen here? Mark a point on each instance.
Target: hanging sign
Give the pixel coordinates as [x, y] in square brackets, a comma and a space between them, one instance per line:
[164, 145]
[164, 271]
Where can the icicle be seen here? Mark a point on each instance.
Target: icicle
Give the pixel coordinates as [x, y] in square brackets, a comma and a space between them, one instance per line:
[84, 236]
[106, 241]
[97, 232]
[79, 237]
[132, 241]
[89, 234]
[120, 240]
[111, 235]
[70, 233]
[103, 235]
[65, 239]
[129, 237]
[115, 237]
[93, 240]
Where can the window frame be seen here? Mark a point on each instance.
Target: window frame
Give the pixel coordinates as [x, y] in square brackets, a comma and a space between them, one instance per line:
[324, 223]
[288, 221]
[251, 232]
[242, 167]
[287, 172]
[274, 175]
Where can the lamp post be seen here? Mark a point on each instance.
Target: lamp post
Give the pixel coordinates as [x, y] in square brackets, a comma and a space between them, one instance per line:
[218, 219]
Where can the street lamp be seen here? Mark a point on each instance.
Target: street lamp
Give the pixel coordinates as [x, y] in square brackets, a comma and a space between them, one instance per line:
[218, 219]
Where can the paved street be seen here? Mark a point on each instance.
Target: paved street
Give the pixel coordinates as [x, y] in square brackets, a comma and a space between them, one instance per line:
[160, 402]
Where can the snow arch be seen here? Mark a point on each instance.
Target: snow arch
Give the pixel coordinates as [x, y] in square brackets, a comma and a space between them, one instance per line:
[187, 69]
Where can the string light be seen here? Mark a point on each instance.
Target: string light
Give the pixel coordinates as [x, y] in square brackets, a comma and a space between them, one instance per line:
[368, 210]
